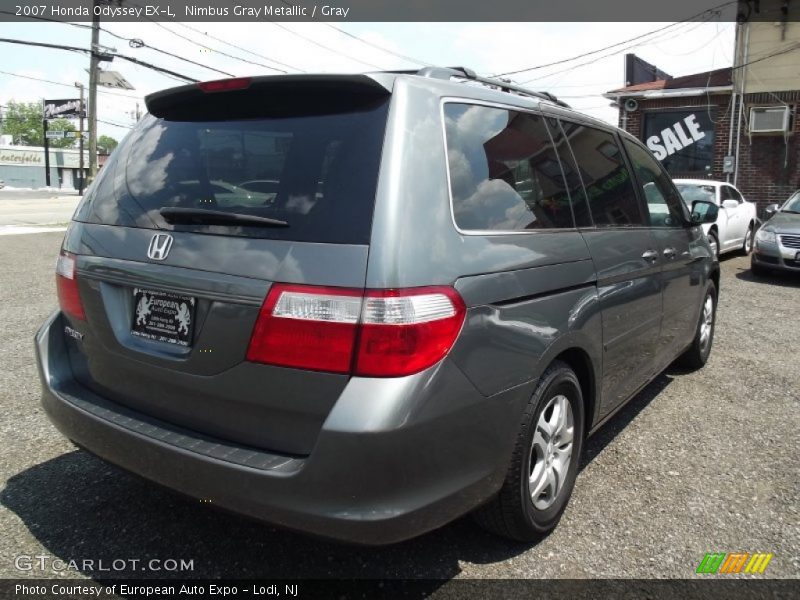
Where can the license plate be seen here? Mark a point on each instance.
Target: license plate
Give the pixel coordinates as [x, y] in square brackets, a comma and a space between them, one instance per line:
[163, 316]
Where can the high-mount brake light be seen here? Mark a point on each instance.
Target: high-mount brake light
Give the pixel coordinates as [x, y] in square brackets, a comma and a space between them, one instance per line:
[69, 298]
[225, 85]
[372, 333]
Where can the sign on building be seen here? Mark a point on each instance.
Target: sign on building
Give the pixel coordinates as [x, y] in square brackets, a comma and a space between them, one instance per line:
[682, 140]
[63, 109]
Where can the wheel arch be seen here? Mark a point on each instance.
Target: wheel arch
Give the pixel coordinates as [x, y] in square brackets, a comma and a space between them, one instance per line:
[714, 276]
[581, 363]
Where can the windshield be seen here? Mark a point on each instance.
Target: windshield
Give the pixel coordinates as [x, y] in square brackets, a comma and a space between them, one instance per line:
[316, 172]
[691, 192]
[792, 204]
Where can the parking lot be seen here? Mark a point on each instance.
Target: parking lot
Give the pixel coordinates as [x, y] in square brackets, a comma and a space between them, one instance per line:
[696, 463]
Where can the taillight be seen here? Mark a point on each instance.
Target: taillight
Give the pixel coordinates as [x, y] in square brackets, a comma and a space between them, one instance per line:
[67, 285]
[377, 333]
[307, 327]
[225, 85]
[406, 331]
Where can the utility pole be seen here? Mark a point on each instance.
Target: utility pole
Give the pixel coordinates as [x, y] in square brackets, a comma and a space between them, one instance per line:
[82, 112]
[46, 153]
[93, 66]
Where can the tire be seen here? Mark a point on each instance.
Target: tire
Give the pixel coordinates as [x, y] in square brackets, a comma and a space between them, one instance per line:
[697, 354]
[713, 240]
[747, 244]
[513, 512]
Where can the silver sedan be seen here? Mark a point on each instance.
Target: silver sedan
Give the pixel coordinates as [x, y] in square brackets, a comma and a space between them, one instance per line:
[778, 240]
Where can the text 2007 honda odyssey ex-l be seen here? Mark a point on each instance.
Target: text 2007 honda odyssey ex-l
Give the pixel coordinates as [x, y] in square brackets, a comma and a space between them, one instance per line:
[363, 305]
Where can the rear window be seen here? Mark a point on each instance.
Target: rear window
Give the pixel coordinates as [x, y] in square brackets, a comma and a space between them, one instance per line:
[692, 192]
[317, 172]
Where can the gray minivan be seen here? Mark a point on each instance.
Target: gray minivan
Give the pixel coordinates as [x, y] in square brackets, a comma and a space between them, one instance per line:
[443, 284]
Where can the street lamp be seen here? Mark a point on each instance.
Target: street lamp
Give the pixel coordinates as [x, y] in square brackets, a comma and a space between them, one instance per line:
[81, 112]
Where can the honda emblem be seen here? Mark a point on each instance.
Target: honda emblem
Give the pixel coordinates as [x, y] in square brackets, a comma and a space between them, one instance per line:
[159, 246]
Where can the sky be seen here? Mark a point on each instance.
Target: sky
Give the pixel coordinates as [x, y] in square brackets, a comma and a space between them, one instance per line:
[488, 48]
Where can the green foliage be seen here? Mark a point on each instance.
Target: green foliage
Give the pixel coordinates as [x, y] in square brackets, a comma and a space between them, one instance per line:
[106, 144]
[23, 122]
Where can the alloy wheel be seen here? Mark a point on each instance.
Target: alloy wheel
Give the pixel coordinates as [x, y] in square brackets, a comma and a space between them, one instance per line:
[707, 322]
[551, 452]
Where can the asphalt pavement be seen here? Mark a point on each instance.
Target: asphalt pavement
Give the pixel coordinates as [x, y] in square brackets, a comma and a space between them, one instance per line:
[698, 462]
[21, 210]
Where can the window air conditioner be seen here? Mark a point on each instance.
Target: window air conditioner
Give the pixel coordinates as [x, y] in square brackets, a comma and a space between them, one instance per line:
[769, 119]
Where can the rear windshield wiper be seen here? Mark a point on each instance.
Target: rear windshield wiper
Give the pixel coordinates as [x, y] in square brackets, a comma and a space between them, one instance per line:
[202, 216]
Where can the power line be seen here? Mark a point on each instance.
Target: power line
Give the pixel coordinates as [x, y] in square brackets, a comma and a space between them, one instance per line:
[791, 48]
[585, 54]
[161, 70]
[220, 52]
[116, 124]
[379, 47]
[138, 43]
[68, 85]
[133, 42]
[19, 119]
[277, 62]
[328, 48]
[165, 28]
[142, 63]
[368, 43]
[593, 61]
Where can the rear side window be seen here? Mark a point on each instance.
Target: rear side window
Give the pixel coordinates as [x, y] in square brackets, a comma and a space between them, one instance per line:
[504, 172]
[317, 172]
[608, 181]
[729, 193]
[580, 202]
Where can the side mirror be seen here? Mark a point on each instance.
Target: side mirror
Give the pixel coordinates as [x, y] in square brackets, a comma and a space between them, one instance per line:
[730, 204]
[770, 209]
[704, 211]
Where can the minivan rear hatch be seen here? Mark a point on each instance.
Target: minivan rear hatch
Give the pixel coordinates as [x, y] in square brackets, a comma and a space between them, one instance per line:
[219, 192]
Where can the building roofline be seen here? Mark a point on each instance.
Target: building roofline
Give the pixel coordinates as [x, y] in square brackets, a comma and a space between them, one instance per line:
[668, 93]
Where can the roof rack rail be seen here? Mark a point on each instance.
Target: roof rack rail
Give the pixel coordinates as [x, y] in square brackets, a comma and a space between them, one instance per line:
[470, 75]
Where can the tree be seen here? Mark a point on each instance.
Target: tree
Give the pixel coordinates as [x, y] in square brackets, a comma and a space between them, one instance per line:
[106, 144]
[23, 122]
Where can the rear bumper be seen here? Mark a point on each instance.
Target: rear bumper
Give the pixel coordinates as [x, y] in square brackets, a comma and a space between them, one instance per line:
[395, 457]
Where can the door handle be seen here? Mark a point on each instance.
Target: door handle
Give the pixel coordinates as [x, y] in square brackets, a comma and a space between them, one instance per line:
[669, 252]
[650, 256]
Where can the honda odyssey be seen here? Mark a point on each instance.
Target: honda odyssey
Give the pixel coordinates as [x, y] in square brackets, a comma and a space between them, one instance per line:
[449, 284]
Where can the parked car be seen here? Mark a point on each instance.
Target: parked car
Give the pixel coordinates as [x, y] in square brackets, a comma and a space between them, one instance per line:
[778, 240]
[218, 193]
[737, 221]
[476, 286]
[263, 186]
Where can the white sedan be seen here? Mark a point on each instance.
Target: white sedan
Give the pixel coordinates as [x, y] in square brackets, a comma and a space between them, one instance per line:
[736, 223]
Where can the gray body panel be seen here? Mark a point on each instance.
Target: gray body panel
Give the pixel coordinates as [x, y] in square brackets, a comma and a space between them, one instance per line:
[371, 460]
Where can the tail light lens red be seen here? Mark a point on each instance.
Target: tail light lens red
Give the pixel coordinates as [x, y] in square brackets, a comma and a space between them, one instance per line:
[225, 85]
[69, 298]
[377, 333]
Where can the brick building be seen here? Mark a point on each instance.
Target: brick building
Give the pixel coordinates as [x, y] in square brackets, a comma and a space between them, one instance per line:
[736, 124]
